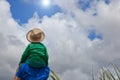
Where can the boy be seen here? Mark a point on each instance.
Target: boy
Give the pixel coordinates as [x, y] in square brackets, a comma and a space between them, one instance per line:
[34, 61]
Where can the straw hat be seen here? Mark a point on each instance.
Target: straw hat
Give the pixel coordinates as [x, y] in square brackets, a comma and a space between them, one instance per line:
[35, 35]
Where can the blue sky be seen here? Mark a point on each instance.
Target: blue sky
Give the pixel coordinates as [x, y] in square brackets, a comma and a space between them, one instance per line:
[80, 34]
[85, 4]
[29, 8]
[95, 35]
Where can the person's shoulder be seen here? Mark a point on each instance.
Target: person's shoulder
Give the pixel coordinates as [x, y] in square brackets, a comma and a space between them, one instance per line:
[43, 44]
[29, 44]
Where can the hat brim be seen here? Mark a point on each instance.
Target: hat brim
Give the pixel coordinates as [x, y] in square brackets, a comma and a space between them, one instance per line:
[39, 40]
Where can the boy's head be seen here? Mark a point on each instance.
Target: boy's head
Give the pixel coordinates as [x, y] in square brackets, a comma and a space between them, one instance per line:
[35, 35]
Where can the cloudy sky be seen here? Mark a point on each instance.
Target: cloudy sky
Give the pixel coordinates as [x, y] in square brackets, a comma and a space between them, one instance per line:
[81, 35]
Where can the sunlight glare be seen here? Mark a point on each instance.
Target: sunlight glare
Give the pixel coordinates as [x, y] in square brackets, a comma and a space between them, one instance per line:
[46, 2]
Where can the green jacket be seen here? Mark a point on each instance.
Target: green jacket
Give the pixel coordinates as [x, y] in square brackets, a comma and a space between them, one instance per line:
[35, 55]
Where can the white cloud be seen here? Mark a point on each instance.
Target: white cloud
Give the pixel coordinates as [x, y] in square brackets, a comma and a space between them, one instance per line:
[71, 52]
[9, 38]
